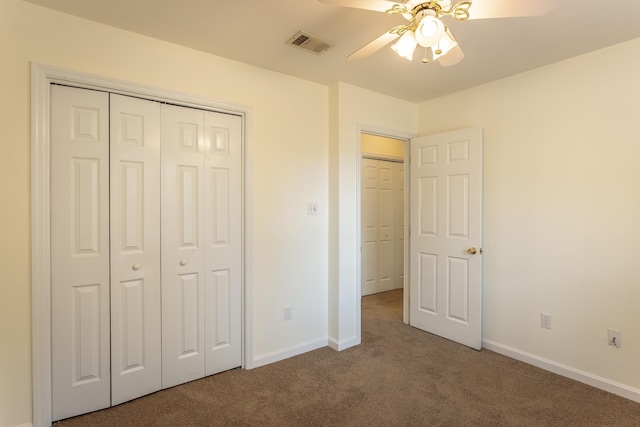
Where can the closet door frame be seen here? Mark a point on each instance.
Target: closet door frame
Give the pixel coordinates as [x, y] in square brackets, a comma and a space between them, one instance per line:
[42, 77]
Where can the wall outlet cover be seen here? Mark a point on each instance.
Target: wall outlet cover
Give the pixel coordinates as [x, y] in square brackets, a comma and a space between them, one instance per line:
[545, 320]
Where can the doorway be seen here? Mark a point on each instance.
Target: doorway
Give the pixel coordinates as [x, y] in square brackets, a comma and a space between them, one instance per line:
[382, 213]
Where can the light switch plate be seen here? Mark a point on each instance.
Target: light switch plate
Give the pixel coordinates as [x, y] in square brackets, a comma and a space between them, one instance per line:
[312, 208]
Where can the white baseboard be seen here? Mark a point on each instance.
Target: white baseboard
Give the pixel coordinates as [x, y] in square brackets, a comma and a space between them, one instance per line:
[24, 425]
[344, 344]
[564, 370]
[276, 356]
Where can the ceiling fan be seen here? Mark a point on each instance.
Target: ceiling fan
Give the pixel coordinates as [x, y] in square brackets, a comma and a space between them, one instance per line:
[425, 27]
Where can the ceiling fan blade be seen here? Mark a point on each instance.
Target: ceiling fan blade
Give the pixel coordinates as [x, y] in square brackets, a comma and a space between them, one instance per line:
[372, 47]
[484, 9]
[452, 57]
[377, 5]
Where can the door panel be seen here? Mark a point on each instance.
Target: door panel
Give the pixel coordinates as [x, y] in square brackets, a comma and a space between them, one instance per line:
[386, 226]
[398, 171]
[79, 251]
[369, 218]
[446, 186]
[223, 241]
[135, 248]
[428, 279]
[182, 225]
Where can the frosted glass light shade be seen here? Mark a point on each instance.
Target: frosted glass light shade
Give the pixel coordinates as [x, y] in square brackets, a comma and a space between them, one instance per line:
[446, 43]
[430, 31]
[406, 45]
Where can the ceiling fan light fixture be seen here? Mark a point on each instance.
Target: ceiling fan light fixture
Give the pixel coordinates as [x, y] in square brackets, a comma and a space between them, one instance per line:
[429, 32]
[406, 45]
[446, 43]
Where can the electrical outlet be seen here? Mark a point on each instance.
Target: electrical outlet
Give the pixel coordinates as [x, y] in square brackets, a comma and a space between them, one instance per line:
[288, 313]
[545, 320]
[615, 338]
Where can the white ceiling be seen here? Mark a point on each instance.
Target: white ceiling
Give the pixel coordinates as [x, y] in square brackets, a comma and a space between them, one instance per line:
[255, 32]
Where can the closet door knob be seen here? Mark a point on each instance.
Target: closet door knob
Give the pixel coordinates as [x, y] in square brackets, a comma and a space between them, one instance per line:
[136, 267]
[183, 262]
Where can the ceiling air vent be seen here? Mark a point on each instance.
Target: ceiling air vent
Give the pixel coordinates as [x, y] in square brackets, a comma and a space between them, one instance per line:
[310, 43]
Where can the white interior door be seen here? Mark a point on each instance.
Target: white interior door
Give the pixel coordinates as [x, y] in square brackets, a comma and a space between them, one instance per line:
[79, 251]
[223, 240]
[135, 248]
[381, 219]
[183, 246]
[446, 229]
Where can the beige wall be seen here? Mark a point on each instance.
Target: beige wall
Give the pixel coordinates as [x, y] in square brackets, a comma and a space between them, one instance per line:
[289, 169]
[561, 208]
[382, 146]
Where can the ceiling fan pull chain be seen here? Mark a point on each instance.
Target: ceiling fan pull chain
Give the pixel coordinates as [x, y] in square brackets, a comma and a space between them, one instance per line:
[425, 59]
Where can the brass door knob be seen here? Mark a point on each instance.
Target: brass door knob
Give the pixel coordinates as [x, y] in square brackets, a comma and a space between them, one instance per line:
[472, 251]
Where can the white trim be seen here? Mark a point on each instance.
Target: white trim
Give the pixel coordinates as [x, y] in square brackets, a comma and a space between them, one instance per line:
[344, 344]
[385, 157]
[406, 316]
[41, 78]
[383, 132]
[564, 370]
[277, 356]
[24, 425]
[40, 250]
[247, 231]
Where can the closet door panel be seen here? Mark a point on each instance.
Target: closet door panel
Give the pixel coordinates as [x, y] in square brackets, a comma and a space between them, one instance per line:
[183, 246]
[386, 226]
[79, 251]
[399, 226]
[223, 241]
[135, 248]
[369, 218]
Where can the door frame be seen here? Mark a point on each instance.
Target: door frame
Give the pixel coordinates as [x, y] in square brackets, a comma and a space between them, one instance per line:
[42, 76]
[387, 133]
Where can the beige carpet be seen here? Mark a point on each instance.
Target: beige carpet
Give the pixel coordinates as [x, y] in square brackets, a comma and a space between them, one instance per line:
[399, 376]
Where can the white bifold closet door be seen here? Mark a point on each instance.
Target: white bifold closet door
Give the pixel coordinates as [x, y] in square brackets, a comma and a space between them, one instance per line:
[382, 219]
[201, 225]
[135, 248]
[128, 319]
[80, 342]
[105, 240]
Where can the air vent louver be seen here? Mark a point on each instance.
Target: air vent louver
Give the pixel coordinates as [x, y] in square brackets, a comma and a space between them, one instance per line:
[310, 43]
